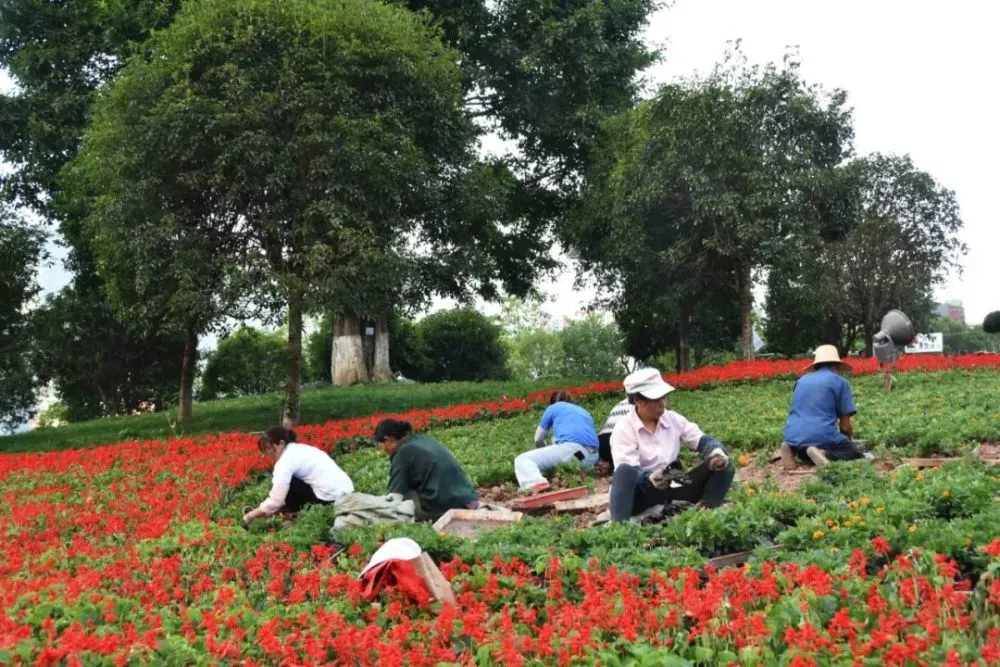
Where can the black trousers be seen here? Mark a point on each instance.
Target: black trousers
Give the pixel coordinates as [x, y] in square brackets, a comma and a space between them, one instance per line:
[632, 492]
[299, 495]
[604, 449]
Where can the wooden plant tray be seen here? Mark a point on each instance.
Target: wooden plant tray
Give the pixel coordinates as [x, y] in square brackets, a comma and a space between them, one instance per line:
[591, 502]
[737, 558]
[469, 523]
[546, 499]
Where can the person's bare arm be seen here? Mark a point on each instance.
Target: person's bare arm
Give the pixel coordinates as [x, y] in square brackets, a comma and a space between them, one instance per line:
[845, 426]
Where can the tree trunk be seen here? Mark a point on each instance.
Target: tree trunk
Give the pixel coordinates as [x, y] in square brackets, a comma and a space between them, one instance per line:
[382, 370]
[683, 342]
[348, 356]
[293, 390]
[187, 375]
[746, 310]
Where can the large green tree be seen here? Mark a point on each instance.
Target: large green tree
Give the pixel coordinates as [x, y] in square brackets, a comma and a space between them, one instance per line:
[903, 241]
[699, 189]
[542, 73]
[323, 132]
[73, 333]
[21, 254]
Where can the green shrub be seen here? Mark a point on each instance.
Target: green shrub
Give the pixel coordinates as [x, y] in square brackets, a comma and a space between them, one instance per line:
[248, 361]
[463, 344]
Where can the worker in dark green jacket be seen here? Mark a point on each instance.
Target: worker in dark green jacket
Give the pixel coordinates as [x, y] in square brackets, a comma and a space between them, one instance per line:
[424, 471]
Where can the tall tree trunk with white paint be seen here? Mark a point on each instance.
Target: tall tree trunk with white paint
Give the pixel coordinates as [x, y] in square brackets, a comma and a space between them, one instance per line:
[348, 356]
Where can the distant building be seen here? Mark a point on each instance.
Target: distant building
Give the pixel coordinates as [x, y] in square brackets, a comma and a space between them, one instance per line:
[953, 310]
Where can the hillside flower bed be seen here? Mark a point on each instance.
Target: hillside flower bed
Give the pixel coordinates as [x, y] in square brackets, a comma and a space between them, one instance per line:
[130, 554]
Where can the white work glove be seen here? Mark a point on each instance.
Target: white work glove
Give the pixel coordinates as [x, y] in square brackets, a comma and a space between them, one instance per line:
[717, 460]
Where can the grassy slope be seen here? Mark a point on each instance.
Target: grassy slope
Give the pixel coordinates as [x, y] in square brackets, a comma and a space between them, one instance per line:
[254, 413]
[929, 413]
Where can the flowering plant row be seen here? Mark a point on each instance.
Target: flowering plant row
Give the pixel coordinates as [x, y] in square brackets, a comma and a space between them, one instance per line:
[119, 555]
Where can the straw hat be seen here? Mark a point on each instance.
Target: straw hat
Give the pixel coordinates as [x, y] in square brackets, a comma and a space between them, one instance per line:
[827, 354]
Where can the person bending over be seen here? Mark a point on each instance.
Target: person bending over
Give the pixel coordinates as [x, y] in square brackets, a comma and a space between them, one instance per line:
[819, 427]
[303, 475]
[645, 445]
[424, 471]
[574, 441]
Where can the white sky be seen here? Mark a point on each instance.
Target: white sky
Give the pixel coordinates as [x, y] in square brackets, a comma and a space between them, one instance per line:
[917, 74]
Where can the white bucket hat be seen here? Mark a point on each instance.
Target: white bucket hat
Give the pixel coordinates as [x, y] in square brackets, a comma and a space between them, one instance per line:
[398, 548]
[827, 354]
[648, 382]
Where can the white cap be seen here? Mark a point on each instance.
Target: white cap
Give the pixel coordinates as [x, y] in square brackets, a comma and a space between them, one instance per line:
[398, 548]
[648, 382]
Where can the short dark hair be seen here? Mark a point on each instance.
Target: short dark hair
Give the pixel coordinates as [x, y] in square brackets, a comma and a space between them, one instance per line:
[274, 435]
[560, 395]
[392, 428]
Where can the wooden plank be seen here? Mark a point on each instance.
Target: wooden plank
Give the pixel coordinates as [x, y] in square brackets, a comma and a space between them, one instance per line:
[586, 503]
[737, 558]
[546, 499]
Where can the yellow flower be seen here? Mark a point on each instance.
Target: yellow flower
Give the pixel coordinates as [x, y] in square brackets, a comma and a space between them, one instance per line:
[744, 459]
[834, 549]
[912, 529]
[866, 500]
[879, 510]
[920, 476]
[946, 493]
[818, 535]
[750, 491]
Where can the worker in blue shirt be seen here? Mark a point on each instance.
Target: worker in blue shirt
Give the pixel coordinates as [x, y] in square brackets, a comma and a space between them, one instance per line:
[819, 427]
[574, 440]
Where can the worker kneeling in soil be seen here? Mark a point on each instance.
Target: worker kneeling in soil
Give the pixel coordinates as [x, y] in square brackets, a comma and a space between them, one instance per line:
[303, 475]
[645, 446]
[424, 471]
[574, 441]
[819, 428]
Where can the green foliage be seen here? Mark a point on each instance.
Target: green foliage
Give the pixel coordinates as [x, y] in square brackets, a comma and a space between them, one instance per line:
[592, 349]
[408, 352]
[101, 366]
[54, 416]
[991, 324]
[692, 192]
[59, 54]
[587, 348]
[248, 361]
[464, 345]
[21, 255]
[900, 243]
[319, 352]
[536, 354]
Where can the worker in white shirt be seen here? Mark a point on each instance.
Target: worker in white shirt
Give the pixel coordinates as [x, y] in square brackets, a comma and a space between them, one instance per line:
[303, 475]
[645, 446]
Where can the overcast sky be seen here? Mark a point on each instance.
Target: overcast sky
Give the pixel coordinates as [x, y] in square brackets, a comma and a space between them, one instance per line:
[917, 74]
